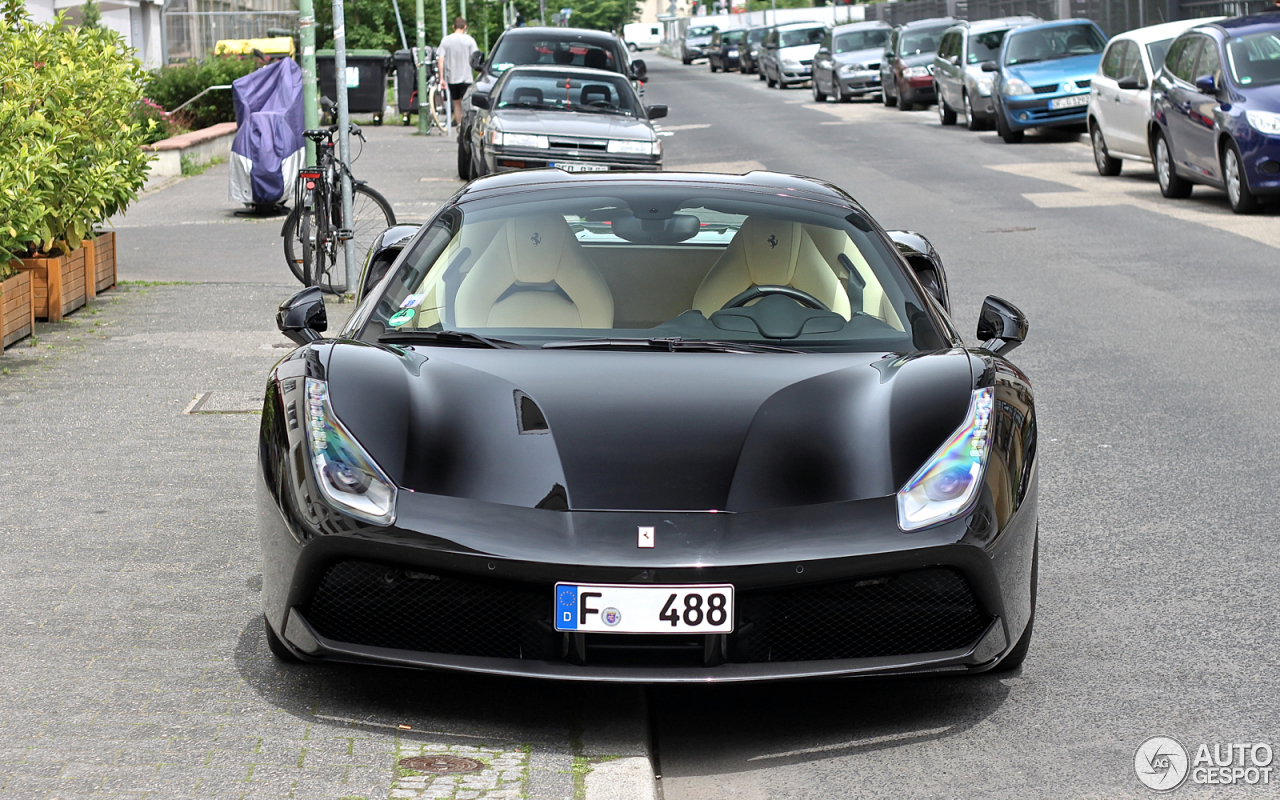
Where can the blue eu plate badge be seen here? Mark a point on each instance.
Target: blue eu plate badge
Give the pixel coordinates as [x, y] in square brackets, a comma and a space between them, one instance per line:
[566, 607]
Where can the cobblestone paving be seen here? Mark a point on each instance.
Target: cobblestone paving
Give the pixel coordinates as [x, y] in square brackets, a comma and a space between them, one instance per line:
[134, 664]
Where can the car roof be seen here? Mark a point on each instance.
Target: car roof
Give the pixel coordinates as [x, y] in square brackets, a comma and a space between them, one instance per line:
[870, 25]
[758, 180]
[933, 22]
[1165, 30]
[1000, 23]
[791, 26]
[1253, 23]
[1058, 23]
[562, 34]
[561, 68]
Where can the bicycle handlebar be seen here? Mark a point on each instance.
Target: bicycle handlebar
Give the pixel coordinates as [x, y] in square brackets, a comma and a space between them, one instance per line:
[321, 134]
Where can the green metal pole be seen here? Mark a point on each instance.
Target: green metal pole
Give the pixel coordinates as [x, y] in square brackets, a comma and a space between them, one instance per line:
[310, 106]
[424, 123]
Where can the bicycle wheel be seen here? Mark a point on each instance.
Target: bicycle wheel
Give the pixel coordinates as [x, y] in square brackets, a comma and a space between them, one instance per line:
[439, 103]
[299, 244]
[371, 214]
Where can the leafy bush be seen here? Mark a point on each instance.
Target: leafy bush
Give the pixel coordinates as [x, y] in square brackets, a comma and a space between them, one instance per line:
[157, 123]
[70, 155]
[174, 85]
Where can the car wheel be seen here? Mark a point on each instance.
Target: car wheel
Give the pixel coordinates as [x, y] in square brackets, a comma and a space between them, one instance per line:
[686, 61]
[1242, 200]
[770, 81]
[945, 115]
[632, 46]
[1009, 135]
[711, 64]
[901, 97]
[1171, 184]
[759, 70]
[971, 120]
[464, 162]
[278, 648]
[818, 95]
[1107, 166]
[1019, 652]
[837, 94]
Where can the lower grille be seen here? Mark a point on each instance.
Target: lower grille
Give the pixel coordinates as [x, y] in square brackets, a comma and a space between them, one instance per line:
[370, 604]
[1045, 89]
[922, 611]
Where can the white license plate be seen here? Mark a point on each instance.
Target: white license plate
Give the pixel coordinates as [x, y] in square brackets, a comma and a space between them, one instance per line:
[1069, 102]
[603, 608]
[574, 166]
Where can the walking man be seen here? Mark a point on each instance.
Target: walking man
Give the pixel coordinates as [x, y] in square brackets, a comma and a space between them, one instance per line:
[455, 64]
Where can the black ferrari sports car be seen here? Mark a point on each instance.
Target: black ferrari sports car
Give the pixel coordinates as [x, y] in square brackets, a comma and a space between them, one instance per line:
[650, 427]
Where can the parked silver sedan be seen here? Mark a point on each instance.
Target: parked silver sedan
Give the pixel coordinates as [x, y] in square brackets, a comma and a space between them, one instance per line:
[847, 63]
[961, 84]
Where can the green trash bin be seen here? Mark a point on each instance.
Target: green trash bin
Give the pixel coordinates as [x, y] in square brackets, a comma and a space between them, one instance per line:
[366, 80]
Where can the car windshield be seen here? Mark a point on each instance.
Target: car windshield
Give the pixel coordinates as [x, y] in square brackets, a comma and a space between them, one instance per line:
[1047, 44]
[549, 90]
[861, 40]
[1255, 59]
[702, 30]
[644, 266]
[756, 36]
[517, 51]
[1158, 50]
[985, 46]
[801, 37]
[733, 37]
[917, 42]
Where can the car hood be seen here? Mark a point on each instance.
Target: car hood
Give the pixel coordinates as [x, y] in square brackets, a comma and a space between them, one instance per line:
[799, 52]
[572, 123]
[648, 431]
[870, 56]
[1260, 98]
[1041, 73]
[919, 59]
[698, 41]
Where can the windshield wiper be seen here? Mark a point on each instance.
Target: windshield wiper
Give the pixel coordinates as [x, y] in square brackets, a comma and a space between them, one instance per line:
[446, 339]
[671, 345]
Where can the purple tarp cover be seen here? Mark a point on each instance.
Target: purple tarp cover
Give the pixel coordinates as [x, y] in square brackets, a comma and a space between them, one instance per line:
[269, 147]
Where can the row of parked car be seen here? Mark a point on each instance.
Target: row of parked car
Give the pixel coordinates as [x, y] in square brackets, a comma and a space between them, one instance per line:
[1199, 99]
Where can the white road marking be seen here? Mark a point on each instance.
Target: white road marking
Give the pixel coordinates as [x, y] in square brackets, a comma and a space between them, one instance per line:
[731, 167]
[692, 127]
[1141, 191]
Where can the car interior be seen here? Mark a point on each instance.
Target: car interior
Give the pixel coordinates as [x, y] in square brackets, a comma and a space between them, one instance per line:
[694, 270]
[541, 89]
[1255, 60]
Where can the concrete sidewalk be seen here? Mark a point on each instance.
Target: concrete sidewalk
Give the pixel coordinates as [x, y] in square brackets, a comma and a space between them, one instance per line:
[135, 664]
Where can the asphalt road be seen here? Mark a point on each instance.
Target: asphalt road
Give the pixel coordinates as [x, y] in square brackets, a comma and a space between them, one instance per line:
[1157, 385]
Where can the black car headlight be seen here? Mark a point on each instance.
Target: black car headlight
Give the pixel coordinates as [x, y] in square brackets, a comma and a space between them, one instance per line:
[949, 481]
[347, 476]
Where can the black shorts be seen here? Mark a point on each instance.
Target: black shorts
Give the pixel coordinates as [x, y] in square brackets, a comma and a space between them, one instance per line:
[457, 90]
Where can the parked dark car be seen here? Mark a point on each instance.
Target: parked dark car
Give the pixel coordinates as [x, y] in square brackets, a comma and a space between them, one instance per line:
[574, 119]
[958, 79]
[696, 40]
[1215, 108]
[847, 63]
[786, 57]
[651, 428]
[750, 53]
[725, 51]
[1043, 75]
[564, 46]
[906, 68]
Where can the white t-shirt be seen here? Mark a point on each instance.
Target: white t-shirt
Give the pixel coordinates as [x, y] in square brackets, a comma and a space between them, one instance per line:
[455, 51]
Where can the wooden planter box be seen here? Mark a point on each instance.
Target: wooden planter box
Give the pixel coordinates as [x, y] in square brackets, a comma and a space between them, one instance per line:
[17, 313]
[100, 263]
[58, 284]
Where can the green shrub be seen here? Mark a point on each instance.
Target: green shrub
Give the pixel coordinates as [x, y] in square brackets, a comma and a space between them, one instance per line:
[156, 123]
[174, 85]
[70, 155]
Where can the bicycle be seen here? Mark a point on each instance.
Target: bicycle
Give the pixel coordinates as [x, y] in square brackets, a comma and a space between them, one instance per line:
[313, 232]
[437, 101]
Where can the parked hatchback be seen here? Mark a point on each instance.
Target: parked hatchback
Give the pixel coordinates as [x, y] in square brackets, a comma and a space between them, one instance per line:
[749, 54]
[1215, 107]
[958, 79]
[787, 55]
[1043, 75]
[724, 52]
[695, 43]
[847, 63]
[906, 69]
[1120, 97]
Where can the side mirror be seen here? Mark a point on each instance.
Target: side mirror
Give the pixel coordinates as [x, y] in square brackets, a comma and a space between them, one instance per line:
[302, 317]
[1206, 84]
[479, 100]
[1130, 83]
[477, 60]
[954, 59]
[925, 263]
[990, 66]
[639, 70]
[1001, 326]
[655, 112]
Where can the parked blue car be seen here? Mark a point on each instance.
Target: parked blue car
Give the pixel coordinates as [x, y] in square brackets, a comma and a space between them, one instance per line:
[1215, 108]
[1042, 76]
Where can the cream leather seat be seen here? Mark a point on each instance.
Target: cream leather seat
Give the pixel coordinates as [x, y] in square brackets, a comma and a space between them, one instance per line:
[771, 252]
[534, 275]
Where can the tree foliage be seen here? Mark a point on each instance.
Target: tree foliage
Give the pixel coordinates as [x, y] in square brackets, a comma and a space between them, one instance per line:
[70, 156]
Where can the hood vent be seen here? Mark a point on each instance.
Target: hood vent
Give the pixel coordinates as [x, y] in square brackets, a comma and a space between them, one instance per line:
[529, 418]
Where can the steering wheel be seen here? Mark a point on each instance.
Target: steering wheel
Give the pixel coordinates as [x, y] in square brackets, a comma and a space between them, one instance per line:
[800, 296]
